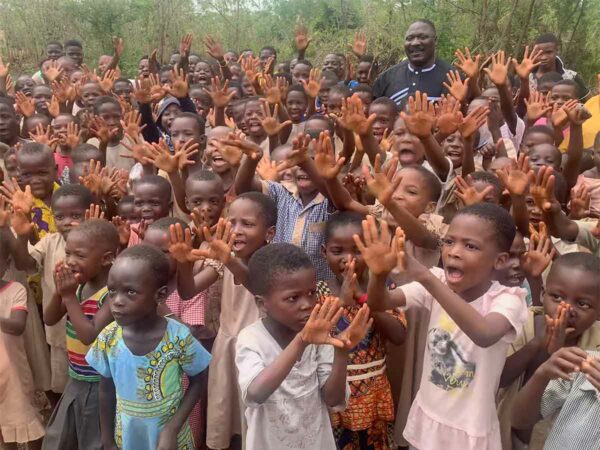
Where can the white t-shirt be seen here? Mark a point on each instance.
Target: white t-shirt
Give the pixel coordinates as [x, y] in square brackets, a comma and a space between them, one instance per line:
[295, 415]
[455, 407]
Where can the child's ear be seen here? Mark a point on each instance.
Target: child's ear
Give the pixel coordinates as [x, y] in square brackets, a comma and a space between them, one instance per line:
[323, 251]
[270, 234]
[161, 294]
[260, 302]
[501, 261]
[430, 208]
[108, 258]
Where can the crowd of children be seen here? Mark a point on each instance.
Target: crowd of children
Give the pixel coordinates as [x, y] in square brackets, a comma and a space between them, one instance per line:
[231, 251]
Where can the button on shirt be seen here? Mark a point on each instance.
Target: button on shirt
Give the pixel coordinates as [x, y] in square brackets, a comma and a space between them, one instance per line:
[403, 80]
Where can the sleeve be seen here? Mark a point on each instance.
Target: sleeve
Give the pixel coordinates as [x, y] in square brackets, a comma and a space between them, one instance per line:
[39, 251]
[554, 397]
[325, 355]
[586, 239]
[249, 363]
[194, 358]
[97, 355]
[150, 132]
[417, 295]
[380, 85]
[582, 89]
[19, 298]
[513, 306]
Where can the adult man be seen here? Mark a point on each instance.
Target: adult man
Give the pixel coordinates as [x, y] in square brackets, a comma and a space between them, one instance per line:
[422, 71]
[550, 62]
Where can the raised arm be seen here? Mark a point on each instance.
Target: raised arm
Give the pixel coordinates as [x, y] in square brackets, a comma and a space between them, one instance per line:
[577, 115]
[498, 74]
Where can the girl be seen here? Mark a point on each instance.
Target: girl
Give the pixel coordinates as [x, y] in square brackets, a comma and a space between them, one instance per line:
[368, 421]
[473, 321]
[20, 423]
[142, 357]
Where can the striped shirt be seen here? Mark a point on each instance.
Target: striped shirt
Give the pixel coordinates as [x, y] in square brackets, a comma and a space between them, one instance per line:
[79, 369]
[576, 426]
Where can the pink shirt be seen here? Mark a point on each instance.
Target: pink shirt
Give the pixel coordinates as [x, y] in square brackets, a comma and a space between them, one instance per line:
[455, 407]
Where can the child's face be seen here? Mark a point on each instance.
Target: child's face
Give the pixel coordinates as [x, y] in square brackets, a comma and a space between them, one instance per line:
[454, 147]
[314, 127]
[103, 62]
[544, 155]
[480, 186]
[144, 68]
[168, 116]
[579, 289]
[407, 147]
[12, 168]
[160, 239]
[561, 94]
[185, 129]
[126, 210]
[264, 56]
[341, 249]
[59, 126]
[236, 71]
[362, 72]
[202, 73]
[332, 63]
[31, 124]
[206, 196]
[305, 184]
[201, 101]
[248, 224]
[412, 193]
[53, 51]
[334, 103]
[133, 291]
[8, 124]
[89, 94]
[300, 72]
[366, 99]
[535, 138]
[25, 84]
[68, 212]
[248, 88]
[326, 85]
[112, 114]
[75, 53]
[123, 90]
[548, 55]
[470, 253]
[41, 97]
[292, 298]
[253, 115]
[296, 105]
[39, 171]
[85, 257]
[384, 120]
[511, 274]
[150, 202]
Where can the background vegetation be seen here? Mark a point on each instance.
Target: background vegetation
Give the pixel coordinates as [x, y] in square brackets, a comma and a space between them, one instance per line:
[483, 25]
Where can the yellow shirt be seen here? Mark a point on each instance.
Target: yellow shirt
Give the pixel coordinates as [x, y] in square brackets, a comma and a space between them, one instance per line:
[590, 127]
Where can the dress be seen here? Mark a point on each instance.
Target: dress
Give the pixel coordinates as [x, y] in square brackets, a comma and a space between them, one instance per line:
[146, 404]
[224, 414]
[367, 423]
[22, 424]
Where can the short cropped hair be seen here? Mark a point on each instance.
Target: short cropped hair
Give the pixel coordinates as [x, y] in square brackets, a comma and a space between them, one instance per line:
[165, 223]
[433, 182]
[101, 232]
[265, 203]
[154, 258]
[200, 122]
[104, 99]
[158, 181]
[73, 43]
[489, 178]
[498, 218]
[581, 260]
[547, 38]
[341, 219]
[268, 263]
[79, 191]
[387, 102]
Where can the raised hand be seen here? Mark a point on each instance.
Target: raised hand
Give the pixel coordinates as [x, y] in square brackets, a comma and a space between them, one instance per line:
[123, 228]
[301, 37]
[313, 85]
[473, 121]
[139, 149]
[299, 153]
[250, 66]
[542, 189]
[323, 318]
[420, 119]
[179, 86]
[107, 80]
[498, 74]
[269, 170]
[359, 45]
[180, 245]
[353, 116]
[528, 63]
[65, 280]
[275, 89]
[24, 104]
[239, 141]
[185, 45]
[358, 329]
[220, 242]
[580, 202]
[591, 368]
[132, 124]
[383, 184]
[21, 200]
[43, 136]
[270, 121]
[537, 106]
[349, 288]
[94, 212]
[53, 106]
[563, 363]
[468, 194]
[456, 86]
[540, 254]
[325, 162]
[52, 72]
[118, 46]
[100, 129]
[5, 212]
[516, 178]
[92, 177]
[159, 155]
[213, 47]
[60, 89]
[576, 112]
[74, 136]
[378, 250]
[218, 93]
[466, 63]
[142, 90]
[387, 141]
[448, 115]
[556, 328]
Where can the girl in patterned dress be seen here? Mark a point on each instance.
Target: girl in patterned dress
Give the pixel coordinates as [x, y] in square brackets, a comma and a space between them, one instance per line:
[368, 421]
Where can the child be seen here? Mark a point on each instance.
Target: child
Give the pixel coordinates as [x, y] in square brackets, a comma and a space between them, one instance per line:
[287, 377]
[142, 357]
[125, 209]
[19, 422]
[368, 421]
[66, 130]
[569, 379]
[473, 320]
[80, 294]
[69, 204]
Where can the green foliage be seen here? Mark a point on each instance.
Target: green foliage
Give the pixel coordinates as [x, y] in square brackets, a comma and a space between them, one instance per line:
[482, 25]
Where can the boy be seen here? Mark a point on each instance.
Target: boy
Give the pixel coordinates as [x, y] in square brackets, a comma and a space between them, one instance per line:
[80, 294]
[569, 380]
[69, 204]
[74, 50]
[9, 125]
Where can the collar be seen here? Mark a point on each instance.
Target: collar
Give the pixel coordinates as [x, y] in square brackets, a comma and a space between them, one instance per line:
[425, 69]
[39, 203]
[319, 198]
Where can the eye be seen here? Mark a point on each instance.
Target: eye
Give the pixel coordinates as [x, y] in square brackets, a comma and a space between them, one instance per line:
[447, 241]
[292, 299]
[131, 292]
[583, 305]
[112, 292]
[556, 297]
[471, 246]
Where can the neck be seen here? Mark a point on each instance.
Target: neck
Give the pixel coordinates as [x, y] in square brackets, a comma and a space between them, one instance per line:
[472, 294]
[542, 70]
[258, 138]
[282, 334]
[307, 197]
[427, 63]
[99, 281]
[145, 323]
